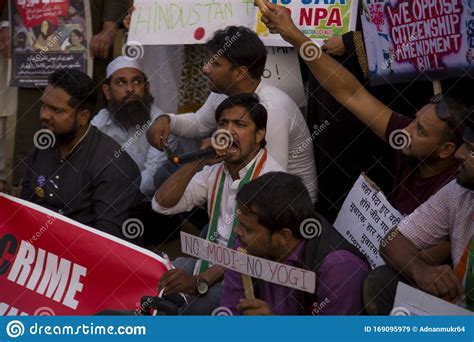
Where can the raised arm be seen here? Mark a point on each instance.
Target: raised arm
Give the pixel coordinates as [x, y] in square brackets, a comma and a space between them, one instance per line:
[336, 79]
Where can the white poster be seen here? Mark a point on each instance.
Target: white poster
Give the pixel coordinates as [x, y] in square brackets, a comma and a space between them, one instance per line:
[283, 71]
[365, 218]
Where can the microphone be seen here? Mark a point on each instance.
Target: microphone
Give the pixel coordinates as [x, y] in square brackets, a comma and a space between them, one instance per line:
[192, 156]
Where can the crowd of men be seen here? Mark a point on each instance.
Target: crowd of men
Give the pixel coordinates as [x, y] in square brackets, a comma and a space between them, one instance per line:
[112, 164]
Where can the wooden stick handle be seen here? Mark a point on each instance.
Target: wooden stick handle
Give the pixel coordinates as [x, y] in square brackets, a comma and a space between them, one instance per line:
[437, 87]
[247, 280]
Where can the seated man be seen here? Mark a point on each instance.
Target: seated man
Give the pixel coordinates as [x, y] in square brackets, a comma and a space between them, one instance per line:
[427, 144]
[272, 211]
[80, 175]
[448, 214]
[128, 116]
[215, 181]
[237, 60]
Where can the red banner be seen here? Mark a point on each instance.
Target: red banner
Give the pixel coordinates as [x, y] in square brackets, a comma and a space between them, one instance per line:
[51, 265]
[33, 13]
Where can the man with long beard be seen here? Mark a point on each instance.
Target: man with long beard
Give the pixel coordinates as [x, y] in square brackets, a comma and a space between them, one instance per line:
[129, 113]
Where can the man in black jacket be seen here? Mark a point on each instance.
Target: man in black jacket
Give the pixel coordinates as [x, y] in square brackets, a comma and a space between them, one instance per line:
[75, 169]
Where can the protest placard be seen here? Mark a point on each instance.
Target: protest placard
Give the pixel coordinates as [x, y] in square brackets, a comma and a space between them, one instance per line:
[195, 21]
[52, 265]
[365, 219]
[282, 70]
[419, 39]
[413, 302]
[255, 267]
[48, 36]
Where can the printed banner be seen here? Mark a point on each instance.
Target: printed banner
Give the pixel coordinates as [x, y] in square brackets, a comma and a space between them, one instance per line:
[274, 272]
[418, 39]
[170, 22]
[51, 265]
[48, 36]
[318, 19]
[365, 219]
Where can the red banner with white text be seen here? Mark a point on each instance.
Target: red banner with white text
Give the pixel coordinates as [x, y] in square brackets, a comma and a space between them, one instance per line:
[51, 265]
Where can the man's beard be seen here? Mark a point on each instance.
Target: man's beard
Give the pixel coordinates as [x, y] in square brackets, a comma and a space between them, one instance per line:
[133, 113]
[464, 180]
[415, 162]
[65, 138]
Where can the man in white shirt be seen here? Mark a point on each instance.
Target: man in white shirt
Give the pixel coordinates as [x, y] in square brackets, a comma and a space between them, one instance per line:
[236, 65]
[215, 181]
[129, 114]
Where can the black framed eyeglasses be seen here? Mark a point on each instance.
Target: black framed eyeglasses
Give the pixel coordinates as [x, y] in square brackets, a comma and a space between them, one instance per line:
[442, 108]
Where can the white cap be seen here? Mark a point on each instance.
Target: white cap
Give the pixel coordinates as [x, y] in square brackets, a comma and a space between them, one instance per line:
[122, 62]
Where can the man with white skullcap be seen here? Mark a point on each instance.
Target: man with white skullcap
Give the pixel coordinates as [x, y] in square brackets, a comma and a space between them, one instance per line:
[128, 115]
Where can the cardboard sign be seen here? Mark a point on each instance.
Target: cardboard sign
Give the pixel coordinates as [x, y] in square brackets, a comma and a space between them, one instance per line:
[282, 70]
[296, 278]
[365, 219]
[419, 303]
[171, 22]
[51, 265]
[164, 22]
[407, 39]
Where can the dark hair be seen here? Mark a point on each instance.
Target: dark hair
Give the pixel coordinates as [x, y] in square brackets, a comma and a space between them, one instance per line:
[77, 33]
[279, 200]
[79, 86]
[454, 129]
[252, 105]
[242, 47]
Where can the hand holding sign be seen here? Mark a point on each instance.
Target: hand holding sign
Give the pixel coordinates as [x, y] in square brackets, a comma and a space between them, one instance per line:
[440, 281]
[278, 20]
[177, 280]
[254, 307]
[262, 5]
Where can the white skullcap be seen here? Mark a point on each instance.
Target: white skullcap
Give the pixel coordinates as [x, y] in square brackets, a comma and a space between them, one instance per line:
[122, 62]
